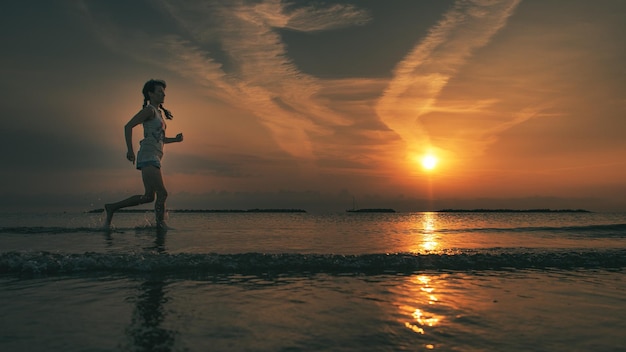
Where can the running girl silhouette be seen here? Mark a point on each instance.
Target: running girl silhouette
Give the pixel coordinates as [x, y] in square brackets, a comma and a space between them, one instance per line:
[150, 152]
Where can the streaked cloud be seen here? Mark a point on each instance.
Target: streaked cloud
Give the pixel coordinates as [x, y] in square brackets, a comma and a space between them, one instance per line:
[310, 19]
[421, 76]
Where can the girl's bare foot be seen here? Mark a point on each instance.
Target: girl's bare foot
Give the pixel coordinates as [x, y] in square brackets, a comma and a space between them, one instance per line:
[162, 225]
[109, 215]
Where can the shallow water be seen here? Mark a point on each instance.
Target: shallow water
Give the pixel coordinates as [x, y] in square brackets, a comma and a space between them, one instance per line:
[314, 282]
[315, 233]
[502, 311]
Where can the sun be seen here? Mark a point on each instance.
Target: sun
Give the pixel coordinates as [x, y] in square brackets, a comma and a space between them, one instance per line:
[429, 162]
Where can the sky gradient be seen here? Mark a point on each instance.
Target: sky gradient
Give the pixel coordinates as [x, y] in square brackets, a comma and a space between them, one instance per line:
[307, 104]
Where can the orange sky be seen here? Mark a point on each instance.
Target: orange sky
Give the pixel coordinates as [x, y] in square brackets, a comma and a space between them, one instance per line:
[307, 104]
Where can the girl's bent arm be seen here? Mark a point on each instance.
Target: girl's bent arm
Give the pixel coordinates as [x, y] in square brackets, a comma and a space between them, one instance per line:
[178, 138]
[143, 115]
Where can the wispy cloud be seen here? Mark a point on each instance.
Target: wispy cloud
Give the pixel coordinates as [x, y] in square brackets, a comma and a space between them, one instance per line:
[311, 19]
[421, 76]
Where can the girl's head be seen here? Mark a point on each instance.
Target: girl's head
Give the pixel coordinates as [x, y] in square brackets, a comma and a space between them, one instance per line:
[153, 92]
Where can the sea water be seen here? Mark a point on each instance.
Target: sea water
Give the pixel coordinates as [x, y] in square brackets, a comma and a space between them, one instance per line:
[313, 282]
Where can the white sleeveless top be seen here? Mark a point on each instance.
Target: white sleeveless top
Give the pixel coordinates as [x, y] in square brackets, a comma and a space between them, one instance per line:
[151, 146]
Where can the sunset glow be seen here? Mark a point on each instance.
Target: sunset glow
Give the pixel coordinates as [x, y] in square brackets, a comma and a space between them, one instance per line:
[421, 105]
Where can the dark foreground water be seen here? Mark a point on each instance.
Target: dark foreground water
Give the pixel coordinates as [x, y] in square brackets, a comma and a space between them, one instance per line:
[307, 282]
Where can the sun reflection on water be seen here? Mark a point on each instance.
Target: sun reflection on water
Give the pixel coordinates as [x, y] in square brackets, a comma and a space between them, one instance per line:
[428, 239]
[429, 242]
[417, 317]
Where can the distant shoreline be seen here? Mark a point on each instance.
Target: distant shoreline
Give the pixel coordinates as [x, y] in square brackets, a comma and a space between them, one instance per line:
[371, 210]
[513, 211]
[100, 210]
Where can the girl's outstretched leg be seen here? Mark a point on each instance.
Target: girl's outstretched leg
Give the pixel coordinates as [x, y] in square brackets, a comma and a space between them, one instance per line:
[111, 208]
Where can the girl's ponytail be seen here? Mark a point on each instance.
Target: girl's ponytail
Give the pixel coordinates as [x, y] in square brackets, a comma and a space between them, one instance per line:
[168, 114]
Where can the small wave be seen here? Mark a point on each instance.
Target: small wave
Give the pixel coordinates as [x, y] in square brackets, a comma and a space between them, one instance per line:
[185, 263]
[57, 230]
[609, 230]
